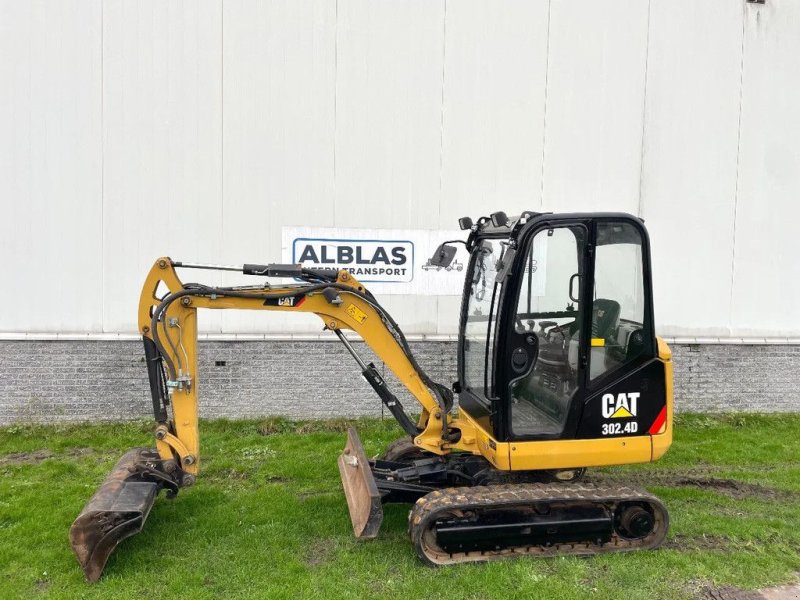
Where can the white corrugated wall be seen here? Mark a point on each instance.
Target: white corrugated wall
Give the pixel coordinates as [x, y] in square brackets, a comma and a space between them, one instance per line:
[197, 129]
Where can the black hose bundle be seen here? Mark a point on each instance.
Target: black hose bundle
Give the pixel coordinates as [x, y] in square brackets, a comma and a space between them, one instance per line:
[443, 395]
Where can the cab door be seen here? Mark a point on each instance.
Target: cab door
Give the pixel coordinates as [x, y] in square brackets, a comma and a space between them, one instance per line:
[541, 372]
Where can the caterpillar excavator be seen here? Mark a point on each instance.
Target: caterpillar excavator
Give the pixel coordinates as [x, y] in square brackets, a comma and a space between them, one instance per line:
[559, 370]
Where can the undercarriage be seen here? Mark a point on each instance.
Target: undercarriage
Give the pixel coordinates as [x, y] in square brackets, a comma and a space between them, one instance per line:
[465, 510]
[487, 523]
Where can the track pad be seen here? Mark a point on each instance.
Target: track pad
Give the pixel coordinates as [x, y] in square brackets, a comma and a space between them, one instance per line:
[363, 498]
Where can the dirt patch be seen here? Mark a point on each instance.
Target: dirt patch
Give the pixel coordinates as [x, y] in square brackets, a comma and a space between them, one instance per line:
[277, 425]
[695, 479]
[78, 452]
[277, 479]
[705, 591]
[37, 456]
[319, 552]
[733, 488]
[332, 426]
[26, 458]
[234, 474]
[782, 592]
[274, 426]
[728, 593]
[228, 476]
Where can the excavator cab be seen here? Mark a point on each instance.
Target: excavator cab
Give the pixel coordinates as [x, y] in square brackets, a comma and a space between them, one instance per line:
[557, 339]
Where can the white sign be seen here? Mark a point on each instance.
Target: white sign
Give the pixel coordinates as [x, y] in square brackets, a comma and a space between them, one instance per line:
[389, 261]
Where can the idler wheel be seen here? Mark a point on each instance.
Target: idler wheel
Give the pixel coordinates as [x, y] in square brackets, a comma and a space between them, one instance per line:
[634, 521]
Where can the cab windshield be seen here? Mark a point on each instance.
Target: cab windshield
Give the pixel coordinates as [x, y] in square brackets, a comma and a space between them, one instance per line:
[481, 319]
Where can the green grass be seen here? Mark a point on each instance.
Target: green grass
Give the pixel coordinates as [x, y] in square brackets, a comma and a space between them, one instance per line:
[267, 519]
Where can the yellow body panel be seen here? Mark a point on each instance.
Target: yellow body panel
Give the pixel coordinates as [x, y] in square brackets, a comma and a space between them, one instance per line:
[566, 454]
[663, 440]
[559, 454]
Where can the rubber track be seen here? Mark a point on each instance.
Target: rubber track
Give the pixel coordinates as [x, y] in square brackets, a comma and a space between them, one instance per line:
[446, 502]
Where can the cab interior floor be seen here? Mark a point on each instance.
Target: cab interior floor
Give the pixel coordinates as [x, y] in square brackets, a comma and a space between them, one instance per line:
[528, 419]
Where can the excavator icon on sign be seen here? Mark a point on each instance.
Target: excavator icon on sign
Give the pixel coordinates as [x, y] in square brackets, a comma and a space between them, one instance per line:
[453, 266]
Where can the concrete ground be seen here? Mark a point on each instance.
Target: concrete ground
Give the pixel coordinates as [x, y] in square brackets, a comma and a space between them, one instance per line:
[783, 592]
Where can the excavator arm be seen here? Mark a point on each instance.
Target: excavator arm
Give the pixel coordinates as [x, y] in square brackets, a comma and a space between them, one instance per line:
[167, 321]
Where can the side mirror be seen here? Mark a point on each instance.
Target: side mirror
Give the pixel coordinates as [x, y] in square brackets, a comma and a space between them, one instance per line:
[443, 256]
[465, 223]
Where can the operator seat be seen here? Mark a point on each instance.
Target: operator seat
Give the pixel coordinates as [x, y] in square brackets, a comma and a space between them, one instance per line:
[605, 321]
[605, 318]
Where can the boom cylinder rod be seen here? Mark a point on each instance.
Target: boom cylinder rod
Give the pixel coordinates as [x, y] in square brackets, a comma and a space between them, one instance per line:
[350, 349]
[208, 266]
[375, 380]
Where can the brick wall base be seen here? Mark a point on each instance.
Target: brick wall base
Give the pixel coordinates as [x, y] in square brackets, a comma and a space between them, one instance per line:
[62, 381]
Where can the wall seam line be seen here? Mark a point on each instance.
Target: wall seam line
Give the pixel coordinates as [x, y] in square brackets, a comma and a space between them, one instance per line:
[335, 99]
[738, 162]
[441, 111]
[102, 170]
[441, 134]
[544, 115]
[222, 121]
[644, 109]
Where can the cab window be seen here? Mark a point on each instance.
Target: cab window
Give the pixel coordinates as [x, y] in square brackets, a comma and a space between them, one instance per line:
[481, 320]
[621, 332]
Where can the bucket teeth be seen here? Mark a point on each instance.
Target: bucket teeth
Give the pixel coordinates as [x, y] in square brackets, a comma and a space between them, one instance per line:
[117, 510]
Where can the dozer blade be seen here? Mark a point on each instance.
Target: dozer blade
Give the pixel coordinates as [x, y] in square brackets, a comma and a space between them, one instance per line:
[117, 510]
[363, 498]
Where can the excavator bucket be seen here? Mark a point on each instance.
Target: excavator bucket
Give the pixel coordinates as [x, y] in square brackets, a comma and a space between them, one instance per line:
[117, 510]
[363, 498]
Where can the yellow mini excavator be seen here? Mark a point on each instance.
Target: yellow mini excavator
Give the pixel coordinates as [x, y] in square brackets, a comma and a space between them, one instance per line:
[559, 369]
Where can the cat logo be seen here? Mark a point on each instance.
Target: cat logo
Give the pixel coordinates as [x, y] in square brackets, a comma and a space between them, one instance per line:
[623, 406]
[287, 301]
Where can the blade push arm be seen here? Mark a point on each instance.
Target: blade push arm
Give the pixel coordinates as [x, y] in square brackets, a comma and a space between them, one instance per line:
[168, 325]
